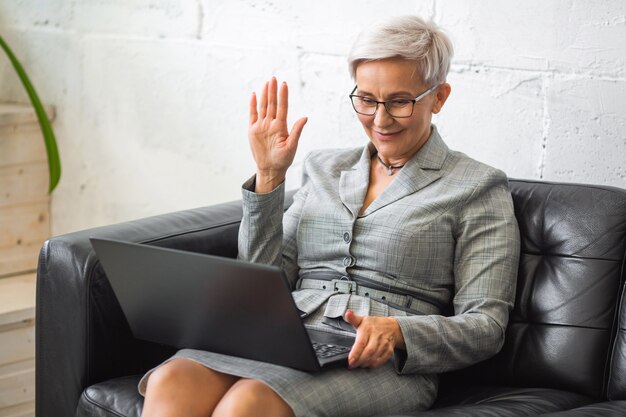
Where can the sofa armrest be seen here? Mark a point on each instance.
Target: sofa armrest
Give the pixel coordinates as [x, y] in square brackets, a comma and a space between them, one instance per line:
[82, 336]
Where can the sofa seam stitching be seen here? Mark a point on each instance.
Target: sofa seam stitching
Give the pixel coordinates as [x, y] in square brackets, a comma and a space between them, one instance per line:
[613, 345]
[186, 232]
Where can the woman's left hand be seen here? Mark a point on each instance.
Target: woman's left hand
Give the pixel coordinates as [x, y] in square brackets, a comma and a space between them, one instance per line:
[376, 338]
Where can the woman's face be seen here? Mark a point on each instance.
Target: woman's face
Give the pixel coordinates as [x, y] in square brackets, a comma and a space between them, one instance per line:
[397, 139]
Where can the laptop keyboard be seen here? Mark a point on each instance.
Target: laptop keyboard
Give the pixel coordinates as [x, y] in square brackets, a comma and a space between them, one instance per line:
[326, 350]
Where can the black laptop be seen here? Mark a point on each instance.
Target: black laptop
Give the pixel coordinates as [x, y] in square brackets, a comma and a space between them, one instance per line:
[191, 300]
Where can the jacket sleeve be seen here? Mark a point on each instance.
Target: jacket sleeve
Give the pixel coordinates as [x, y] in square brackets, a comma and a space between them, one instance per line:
[485, 272]
[267, 233]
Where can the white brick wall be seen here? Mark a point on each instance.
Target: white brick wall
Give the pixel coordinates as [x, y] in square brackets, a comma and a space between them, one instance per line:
[152, 95]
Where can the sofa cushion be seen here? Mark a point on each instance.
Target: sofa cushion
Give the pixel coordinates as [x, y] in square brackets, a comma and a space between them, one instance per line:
[117, 397]
[603, 409]
[502, 402]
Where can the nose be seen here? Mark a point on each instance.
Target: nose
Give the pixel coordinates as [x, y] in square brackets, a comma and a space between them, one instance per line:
[382, 118]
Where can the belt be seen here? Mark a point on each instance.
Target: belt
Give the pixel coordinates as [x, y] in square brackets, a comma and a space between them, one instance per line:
[393, 296]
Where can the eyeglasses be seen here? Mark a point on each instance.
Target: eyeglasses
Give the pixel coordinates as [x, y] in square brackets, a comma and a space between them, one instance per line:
[398, 107]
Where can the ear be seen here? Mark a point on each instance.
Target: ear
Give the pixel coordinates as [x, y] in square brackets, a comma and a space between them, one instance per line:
[441, 95]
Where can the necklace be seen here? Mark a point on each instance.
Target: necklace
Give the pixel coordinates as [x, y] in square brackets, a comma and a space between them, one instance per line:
[389, 167]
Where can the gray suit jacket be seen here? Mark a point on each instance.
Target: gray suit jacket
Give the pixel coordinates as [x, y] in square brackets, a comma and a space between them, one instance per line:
[443, 229]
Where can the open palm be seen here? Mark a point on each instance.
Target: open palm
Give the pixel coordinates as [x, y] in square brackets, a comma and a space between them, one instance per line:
[273, 146]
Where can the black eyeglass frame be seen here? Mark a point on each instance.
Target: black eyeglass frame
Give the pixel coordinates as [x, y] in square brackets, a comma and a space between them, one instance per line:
[384, 103]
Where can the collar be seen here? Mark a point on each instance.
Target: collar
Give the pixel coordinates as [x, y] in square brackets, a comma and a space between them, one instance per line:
[422, 169]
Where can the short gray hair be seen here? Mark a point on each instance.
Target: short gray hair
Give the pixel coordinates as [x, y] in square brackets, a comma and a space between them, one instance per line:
[408, 37]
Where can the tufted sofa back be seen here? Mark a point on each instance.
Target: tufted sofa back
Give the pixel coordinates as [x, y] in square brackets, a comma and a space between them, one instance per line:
[562, 329]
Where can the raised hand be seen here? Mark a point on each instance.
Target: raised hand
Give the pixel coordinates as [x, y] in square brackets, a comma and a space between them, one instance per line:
[376, 338]
[273, 146]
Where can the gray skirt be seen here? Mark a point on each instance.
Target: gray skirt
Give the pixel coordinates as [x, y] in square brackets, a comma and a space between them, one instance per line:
[336, 392]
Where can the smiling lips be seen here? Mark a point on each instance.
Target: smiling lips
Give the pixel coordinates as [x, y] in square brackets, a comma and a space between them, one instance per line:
[387, 136]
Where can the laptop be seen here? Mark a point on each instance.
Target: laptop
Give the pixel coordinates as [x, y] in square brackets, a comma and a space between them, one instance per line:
[198, 301]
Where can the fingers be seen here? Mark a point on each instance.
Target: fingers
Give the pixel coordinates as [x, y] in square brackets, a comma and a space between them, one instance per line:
[351, 317]
[263, 106]
[361, 337]
[274, 105]
[360, 343]
[283, 102]
[370, 352]
[272, 99]
[374, 343]
[254, 115]
[296, 131]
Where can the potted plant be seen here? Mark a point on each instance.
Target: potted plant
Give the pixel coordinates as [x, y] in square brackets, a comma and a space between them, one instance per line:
[54, 163]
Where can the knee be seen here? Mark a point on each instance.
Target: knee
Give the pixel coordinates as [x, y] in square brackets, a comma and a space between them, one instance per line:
[176, 373]
[250, 397]
[242, 397]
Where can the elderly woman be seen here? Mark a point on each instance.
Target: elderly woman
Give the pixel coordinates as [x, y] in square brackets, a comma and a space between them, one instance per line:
[427, 234]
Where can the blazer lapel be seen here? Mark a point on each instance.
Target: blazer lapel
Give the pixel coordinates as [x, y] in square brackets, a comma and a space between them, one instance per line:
[354, 181]
[421, 170]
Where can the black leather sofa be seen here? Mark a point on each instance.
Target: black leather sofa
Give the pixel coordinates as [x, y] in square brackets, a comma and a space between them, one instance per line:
[565, 350]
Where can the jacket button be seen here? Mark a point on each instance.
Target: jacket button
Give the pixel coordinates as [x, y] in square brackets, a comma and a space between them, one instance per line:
[346, 237]
[349, 261]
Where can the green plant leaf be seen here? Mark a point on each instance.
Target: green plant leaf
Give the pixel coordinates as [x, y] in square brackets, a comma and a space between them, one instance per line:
[54, 163]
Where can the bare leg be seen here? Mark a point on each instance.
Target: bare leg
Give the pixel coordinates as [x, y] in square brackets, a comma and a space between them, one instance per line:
[184, 388]
[250, 397]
